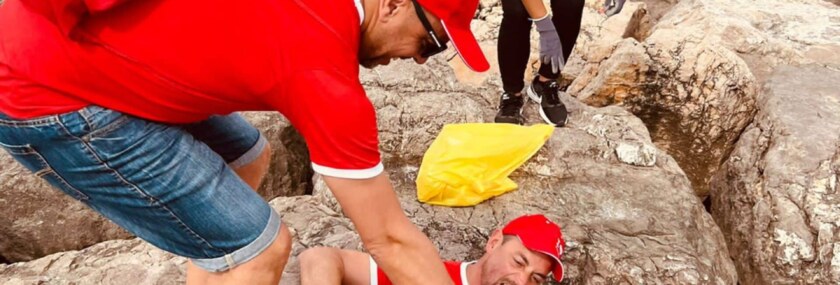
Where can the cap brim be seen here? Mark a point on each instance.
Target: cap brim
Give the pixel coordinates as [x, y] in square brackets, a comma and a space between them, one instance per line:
[558, 269]
[467, 47]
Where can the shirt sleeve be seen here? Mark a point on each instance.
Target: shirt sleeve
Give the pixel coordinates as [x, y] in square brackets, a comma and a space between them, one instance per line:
[66, 14]
[337, 121]
[377, 276]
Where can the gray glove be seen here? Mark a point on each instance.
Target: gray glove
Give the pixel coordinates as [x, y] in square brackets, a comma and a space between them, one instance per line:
[612, 7]
[551, 50]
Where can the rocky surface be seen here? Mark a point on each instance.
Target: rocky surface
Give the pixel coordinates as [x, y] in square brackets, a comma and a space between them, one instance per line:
[36, 220]
[627, 209]
[692, 69]
[290, 173]
[694, 94]
[115, 262]
[709, 84]
[776, 197]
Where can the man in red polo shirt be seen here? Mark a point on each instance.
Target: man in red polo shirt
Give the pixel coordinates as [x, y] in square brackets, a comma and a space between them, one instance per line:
[524, 252]
[127, 106]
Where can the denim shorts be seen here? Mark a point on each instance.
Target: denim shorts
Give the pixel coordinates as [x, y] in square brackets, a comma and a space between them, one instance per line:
[174, 186]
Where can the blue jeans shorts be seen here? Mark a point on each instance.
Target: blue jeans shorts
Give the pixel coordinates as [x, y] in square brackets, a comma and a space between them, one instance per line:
[174, 186]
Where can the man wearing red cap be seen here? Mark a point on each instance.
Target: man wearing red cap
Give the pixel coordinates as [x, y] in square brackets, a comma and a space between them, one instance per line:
[525, 251]
[128, 106]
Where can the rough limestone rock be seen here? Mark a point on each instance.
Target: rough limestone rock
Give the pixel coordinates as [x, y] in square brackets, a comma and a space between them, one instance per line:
[117, 262]
[624, 223]
[36, 220]
[626, 207]
[694, 94]
[613, 212]
[290, 172]
[691, 69]
[776, 197]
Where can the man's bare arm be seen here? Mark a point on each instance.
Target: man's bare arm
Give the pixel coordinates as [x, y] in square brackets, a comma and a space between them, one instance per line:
[399, 248]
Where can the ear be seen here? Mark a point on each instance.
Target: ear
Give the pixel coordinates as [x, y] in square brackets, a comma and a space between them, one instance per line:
[496, 239]
[388, 9]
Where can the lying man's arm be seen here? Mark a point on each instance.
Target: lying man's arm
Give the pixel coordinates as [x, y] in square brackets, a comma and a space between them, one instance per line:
[397, 246]
[333, 266]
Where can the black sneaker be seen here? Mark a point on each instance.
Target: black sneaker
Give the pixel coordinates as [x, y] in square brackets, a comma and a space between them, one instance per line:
[552, 110]
[510, 109]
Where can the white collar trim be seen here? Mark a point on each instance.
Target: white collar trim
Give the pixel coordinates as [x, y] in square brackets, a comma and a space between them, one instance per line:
[464, 265]
[361, 10]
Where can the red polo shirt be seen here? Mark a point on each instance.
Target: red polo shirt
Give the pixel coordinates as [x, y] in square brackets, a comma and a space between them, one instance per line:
[457, 271]
[180, 61]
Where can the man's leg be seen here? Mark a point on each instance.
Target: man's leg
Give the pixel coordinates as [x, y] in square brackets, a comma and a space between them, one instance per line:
[266, 268]
[333, 266]
[236, 140]
[253, 174]
[160, 183]
[320, 266]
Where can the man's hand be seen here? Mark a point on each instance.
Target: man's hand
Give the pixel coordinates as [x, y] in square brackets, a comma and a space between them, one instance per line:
[397, 246]
[611, 7]
[551, 50]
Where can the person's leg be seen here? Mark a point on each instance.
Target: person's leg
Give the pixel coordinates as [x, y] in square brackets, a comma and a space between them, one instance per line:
[253, 173]
[567, 15]
[248, 153]
[265, 268]
[334, 266]
[321, 266]
[159, 183]
[514, 45]
[238, 142]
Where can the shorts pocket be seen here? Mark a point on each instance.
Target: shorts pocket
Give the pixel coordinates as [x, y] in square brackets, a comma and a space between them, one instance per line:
[35, 162]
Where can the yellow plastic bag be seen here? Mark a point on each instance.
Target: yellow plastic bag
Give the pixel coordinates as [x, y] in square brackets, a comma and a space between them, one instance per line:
[470, 163]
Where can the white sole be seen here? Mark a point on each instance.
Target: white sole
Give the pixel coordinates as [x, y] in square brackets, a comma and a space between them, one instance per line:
[533, 95]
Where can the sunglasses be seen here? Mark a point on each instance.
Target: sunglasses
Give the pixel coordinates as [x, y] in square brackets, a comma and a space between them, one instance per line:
[429, 50]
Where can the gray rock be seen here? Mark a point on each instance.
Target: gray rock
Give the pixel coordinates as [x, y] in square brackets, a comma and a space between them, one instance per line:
[776, 197]
[694, 94]
[693, 76]
[36, 220]
[640, 155]
[622, 222]
[290, 172]
[116, 262]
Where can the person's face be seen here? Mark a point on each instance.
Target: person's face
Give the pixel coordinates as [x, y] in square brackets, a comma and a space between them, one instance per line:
[398, 33]
[509, 262]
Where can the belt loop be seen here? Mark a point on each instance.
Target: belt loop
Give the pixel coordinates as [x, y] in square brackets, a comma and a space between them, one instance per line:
[87, 115]
[229, 261]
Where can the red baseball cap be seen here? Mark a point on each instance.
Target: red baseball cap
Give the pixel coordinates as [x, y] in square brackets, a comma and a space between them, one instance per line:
[540, 234]
[455, 15]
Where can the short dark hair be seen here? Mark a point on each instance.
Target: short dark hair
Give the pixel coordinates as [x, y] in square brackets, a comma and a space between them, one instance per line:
[506, 238]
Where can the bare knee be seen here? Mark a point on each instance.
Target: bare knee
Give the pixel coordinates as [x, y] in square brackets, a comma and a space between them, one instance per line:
[276, 255]
[321, 265]
[311, 256]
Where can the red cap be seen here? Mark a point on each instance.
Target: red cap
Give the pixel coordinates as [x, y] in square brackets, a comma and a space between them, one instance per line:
[540, 234]
[455, 15]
